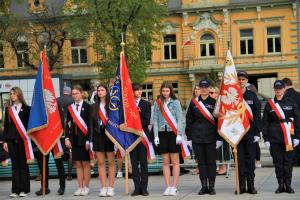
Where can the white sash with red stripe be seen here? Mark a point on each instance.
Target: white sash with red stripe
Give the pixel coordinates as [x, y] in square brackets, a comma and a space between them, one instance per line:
[148, 145]
[78, 119]
[120, 154]
[285, 126]
[248, 111]
[102, 114]
[204, 111]
[22, 131]
[173, 124]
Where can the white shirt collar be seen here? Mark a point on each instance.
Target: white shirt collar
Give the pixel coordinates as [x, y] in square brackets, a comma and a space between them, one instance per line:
[137, 101]
[19, 106]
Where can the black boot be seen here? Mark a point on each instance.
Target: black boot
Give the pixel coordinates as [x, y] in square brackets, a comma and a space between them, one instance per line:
[211, 189]
[242, 181]
[250, 186]
[288, 188]
[280, 188]
[204, 189]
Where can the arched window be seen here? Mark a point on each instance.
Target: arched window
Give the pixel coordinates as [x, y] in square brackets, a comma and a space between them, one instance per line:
[207, 45]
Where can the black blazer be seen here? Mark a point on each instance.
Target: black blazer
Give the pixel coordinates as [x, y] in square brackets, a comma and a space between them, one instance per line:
[79, 139]
[10, 131]
[145, 115]
[97, 126]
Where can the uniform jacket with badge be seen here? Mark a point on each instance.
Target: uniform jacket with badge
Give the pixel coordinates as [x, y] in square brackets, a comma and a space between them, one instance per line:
[198, 128]
[10, 130]
[145, 115]
[272, 131]
[79, 139]
[255, 105]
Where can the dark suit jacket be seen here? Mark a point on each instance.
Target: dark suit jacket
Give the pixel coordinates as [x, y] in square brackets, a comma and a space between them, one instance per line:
[79, 139]
[10, 131]
[145, 115]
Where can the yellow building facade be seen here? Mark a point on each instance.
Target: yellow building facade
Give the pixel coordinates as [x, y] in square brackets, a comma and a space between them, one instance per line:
[261, 36]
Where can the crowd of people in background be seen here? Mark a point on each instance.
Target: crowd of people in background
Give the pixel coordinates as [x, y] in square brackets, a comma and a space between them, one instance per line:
[200, 132]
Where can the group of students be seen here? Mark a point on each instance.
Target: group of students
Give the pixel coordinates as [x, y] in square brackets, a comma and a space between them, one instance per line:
[85, 125]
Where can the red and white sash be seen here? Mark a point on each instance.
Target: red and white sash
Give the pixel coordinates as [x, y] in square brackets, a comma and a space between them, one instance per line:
[173, 124]
[78, 119]
[22, 131]
[285, 126]
[120, 154]
[58, 150]
[102, 114]
[248, 111]
[92, 154]
[204, 111]
[149, 146]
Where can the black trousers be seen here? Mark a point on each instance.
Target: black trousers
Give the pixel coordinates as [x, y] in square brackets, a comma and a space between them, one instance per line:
[246, 158]
[257, 151]
[206, 155]
[60, 170]
[20, 169]
[282, 159]
[138, 156]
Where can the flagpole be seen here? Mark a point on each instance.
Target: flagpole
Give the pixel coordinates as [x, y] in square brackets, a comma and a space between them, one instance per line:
[44, 175]
[236, 171]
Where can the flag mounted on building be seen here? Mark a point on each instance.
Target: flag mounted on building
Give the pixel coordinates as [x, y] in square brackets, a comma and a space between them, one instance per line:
[44, 125]
[124, 126]
[231, 110]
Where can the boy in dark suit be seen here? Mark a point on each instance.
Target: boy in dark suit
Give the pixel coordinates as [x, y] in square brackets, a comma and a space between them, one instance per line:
[139, 154]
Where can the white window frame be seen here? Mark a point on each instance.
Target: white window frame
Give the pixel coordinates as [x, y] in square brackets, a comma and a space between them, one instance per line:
[175, 89]
[147, 90]
[246, 39]
[78, 48]
[23, 54]
[207, 43]
[273, 37]
[169, 44]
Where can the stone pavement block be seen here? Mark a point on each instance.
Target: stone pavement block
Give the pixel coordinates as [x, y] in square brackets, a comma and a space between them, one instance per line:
[189, 186]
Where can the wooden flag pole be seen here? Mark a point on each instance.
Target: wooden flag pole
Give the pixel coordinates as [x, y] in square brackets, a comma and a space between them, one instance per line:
[236, 171]
[44, 175]
[126, 173]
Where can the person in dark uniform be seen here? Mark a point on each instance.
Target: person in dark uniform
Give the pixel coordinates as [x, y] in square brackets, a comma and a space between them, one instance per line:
[78, 138]
[247, 146]
[291, 93]
[281, 145]
[101, 143]
[138, 155]
[63, 102]
[201, 130]
[14, 144]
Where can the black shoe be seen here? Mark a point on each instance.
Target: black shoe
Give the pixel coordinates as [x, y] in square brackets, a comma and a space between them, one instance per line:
[242, 181]
[60, 191]
[250, 185]
[144, 193]
[211, 188]
[288, 188]
[204, 189]
[280, 188]
[69, 178]
[40, 192]
[135, 193]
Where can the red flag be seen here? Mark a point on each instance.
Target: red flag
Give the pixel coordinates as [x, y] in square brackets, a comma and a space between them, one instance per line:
[187, 43]
[44, 126]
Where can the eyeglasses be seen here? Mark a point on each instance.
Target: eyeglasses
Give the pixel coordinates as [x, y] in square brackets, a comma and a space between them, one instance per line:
[212, 93]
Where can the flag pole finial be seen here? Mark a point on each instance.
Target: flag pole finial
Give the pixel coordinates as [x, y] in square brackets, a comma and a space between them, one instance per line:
[122, 43]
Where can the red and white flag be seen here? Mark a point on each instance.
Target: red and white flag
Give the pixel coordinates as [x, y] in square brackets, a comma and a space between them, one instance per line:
[233, 116]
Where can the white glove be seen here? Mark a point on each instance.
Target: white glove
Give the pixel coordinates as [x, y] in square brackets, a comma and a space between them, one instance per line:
[218, 144]
[156, 141]
[267, 144]
[178, 139]
[296, 142]
[256, 139]
[189, 143]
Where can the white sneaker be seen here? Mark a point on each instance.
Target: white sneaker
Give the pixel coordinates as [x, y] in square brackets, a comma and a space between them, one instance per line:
[103, 192]
[78, 192]
[120, 175]
[173, 191]
[22, 194]
[110, 192]
[13, 195]
[167, 191]
[85, 191]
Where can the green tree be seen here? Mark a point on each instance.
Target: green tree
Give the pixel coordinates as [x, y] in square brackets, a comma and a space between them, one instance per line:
[140, 22]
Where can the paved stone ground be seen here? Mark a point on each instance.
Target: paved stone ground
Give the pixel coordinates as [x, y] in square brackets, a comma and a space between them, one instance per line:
[188, 188]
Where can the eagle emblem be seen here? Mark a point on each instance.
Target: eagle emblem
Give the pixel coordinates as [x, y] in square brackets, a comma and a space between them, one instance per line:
[50, 101]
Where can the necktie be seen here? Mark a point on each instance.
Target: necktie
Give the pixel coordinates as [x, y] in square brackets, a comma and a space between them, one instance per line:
[77, 106]
[16, 108]
[75, 127]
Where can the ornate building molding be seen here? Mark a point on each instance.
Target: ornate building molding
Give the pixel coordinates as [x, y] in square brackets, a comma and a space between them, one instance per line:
[226, 15]
[185, 17]
[170, 27]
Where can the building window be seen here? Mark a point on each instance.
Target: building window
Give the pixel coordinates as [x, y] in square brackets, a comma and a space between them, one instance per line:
[175, 88]
[273, 40]
[1, 56]
[207, 45]
[78, 51]
[246, 41]
[147, 91]
[22, 54]
[170, 47]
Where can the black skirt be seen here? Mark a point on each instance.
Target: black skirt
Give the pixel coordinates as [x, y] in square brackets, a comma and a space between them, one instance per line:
[101, 143]
[79, 153]
[167, 143]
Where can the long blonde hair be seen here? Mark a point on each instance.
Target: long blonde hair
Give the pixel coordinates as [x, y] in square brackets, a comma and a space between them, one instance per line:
[19, 94]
